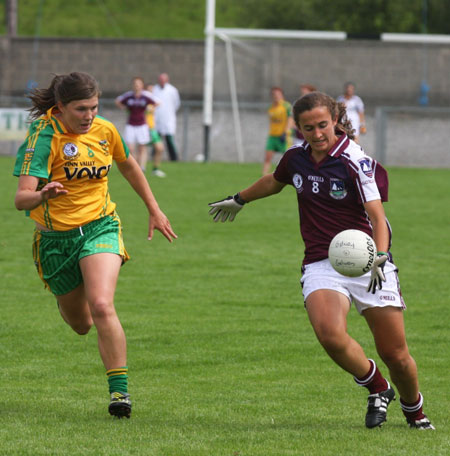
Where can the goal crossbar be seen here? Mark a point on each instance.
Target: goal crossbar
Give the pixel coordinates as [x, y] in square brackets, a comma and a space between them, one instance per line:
[283, 34]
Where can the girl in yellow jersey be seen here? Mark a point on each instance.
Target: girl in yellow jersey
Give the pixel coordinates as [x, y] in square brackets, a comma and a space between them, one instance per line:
[78, 249]
[280, 118]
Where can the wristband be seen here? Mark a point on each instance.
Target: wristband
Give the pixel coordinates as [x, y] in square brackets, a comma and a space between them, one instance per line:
[238, 199]
[388, 254]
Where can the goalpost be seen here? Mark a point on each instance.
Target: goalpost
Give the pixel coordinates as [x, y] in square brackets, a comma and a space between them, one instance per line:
[227, 35]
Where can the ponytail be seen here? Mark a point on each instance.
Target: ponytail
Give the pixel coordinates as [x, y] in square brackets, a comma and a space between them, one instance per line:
[63, 88]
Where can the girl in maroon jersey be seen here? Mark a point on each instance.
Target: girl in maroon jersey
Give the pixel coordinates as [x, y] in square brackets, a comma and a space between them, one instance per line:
[136, 130]
[339, 187]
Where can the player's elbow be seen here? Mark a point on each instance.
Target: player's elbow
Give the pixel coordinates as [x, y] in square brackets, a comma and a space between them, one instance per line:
[21, 202]
[18, 202]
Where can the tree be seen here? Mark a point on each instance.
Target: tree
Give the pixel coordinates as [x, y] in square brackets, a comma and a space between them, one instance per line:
[356, 17]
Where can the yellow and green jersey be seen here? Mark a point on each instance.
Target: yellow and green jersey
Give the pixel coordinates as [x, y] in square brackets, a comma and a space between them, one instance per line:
[278, 116]
[80, 162]
[150, 116]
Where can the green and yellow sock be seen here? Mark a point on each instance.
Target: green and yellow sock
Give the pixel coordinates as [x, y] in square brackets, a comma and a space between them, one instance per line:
[118, 379]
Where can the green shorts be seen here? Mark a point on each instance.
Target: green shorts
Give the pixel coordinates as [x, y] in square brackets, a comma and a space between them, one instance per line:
[57, 254]
[276, 143]
[154, 136]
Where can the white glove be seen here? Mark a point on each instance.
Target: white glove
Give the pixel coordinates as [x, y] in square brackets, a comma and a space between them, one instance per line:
[377, 272]
[226, 208]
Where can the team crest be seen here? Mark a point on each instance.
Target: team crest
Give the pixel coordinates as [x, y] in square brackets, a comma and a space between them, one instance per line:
[104, 145]
[70, 151]
[297, 180]
[366, 166]
[337, 189]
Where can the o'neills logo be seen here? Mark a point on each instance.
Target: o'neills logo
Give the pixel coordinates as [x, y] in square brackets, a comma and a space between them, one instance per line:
[297, 180]
[70, 151]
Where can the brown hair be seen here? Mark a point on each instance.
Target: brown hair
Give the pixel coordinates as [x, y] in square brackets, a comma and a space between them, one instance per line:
[277, 89]
[308, 87]
[337, 110]
[63, 88]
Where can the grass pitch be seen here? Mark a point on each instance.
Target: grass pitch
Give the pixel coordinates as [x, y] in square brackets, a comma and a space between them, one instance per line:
[221, 354]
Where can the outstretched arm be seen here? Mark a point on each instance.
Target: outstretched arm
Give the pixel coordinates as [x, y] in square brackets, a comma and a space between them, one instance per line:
[227, 208]
[134, 175]
[265, 186]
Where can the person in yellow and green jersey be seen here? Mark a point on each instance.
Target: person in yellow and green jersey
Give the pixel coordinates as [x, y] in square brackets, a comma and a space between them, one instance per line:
[280, 118]
[63, 168]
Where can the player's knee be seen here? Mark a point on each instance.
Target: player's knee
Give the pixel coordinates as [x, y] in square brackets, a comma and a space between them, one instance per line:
[331, 339]
[102, 308]
[81, 327]
[398, 360]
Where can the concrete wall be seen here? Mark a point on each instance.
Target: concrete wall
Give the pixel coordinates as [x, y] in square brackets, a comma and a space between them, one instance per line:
[385, 73]
[113, 62]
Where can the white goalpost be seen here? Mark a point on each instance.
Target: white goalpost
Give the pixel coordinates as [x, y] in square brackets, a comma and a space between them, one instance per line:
[227, 35]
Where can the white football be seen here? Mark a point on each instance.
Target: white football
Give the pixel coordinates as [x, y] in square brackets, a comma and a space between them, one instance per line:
[352, 253]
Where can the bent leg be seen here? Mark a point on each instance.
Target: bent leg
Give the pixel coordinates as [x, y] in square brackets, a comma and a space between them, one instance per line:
[75, 311]
[158, 150]
[327, 312]
[267, 162]
[387, 326]
[142, 156]
[100, 272]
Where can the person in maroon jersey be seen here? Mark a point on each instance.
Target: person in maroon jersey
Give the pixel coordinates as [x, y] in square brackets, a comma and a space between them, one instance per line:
[136, 130]
[339, 187]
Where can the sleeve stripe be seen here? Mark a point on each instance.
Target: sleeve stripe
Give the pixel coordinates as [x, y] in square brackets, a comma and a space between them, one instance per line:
[31, 144]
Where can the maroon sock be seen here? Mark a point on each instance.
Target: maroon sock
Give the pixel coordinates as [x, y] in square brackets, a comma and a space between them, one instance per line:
[413, 411]
[373, 380]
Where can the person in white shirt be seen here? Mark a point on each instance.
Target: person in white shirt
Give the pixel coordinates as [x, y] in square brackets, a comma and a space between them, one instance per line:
[165, 113]
[355, 109]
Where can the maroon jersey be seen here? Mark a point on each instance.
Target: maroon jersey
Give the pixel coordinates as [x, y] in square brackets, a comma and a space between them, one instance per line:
[136, 106]
[331, 193]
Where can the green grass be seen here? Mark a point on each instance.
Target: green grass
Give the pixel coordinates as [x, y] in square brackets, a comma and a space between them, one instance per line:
[222, 358]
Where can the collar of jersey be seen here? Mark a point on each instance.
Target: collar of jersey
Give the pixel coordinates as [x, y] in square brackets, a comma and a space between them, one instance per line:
[57, 124]
[338, 148]
[341, 144]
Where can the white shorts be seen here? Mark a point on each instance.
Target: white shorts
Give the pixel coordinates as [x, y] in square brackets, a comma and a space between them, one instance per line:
[136, 134]
[321, 275]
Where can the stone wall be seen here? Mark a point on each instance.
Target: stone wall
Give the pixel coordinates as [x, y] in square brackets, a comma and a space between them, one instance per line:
[384, 73]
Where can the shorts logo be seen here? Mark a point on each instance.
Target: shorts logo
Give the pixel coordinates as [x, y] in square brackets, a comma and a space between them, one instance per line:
[386, 298]
[297, 180]
[337, 189]
[366, 167]
[70, 151]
